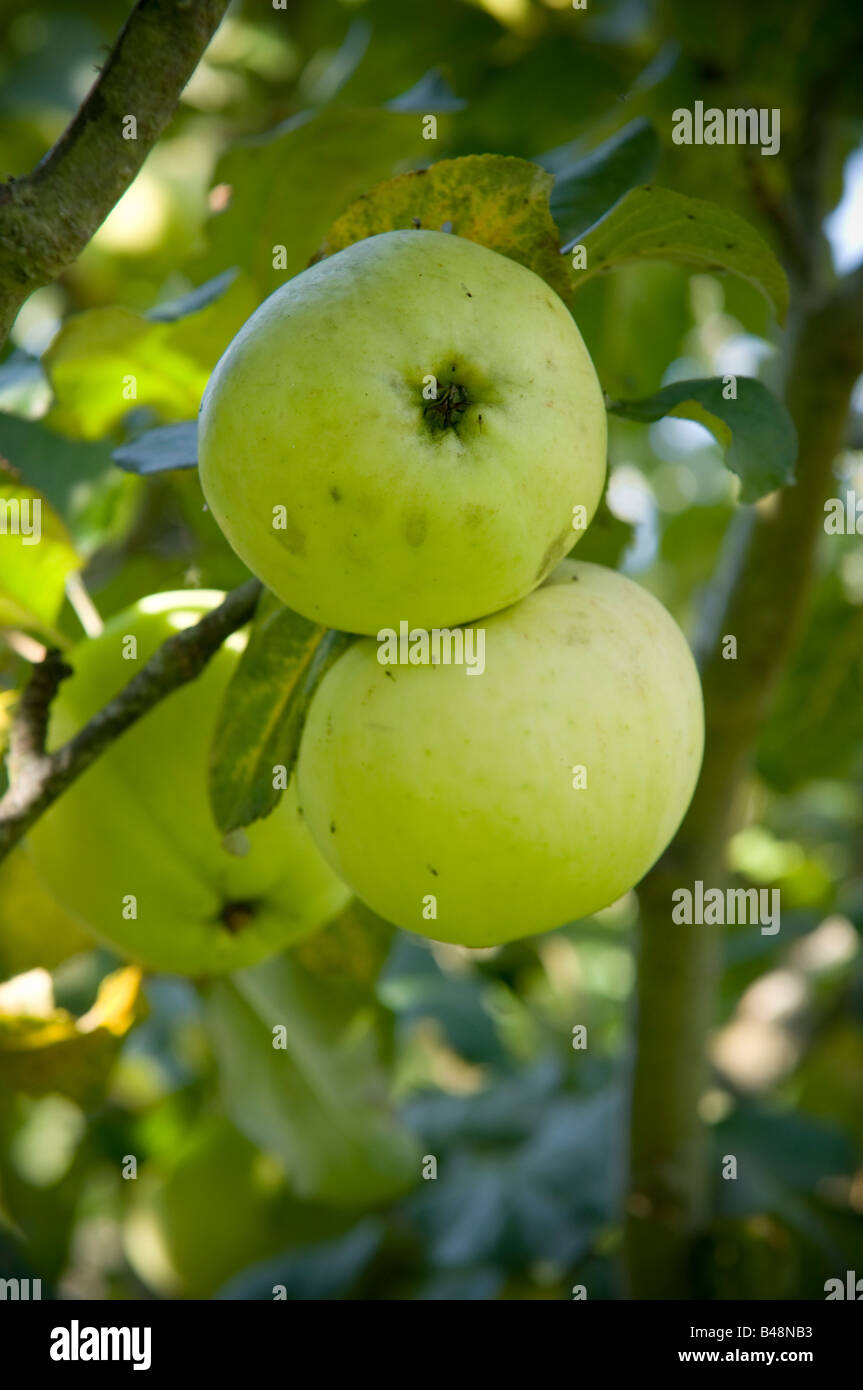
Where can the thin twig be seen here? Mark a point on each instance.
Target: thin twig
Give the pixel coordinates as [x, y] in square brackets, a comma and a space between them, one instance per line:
[37, 777]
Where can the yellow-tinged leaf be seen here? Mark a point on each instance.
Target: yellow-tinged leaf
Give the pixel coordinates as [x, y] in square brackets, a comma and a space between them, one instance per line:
[44, 1053]
[496, 200]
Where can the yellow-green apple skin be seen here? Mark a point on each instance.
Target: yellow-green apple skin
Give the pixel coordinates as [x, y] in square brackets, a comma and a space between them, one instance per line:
[397, 506]
[512, 801]
[138, 821]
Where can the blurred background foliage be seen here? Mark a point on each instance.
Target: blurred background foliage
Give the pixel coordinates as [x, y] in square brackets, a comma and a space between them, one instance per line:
[292, 114]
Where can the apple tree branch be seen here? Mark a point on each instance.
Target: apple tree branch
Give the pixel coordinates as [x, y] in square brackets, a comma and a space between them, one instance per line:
[37, 778]
[48, 216]
[761, 597]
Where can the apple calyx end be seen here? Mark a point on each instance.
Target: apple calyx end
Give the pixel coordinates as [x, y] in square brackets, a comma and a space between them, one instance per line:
[446, 410]
[235, 916]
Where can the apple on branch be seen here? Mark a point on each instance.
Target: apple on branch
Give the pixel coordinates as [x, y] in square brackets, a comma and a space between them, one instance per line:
[480, 810]
[412, 429]
[131, 848]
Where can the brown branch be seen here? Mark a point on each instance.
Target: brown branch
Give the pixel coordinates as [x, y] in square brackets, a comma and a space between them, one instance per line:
[48, 216]
[30, 726]
[763, 605]
[37, 778]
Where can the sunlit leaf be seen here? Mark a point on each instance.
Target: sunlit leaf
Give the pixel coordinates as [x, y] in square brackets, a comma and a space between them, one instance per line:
[43, 1053]
[36, 557]
[106, 362]
[287, 186]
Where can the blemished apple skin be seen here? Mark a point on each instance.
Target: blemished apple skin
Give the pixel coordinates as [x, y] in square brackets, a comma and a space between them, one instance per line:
[138, 821]
[424, 780]
[317, 406]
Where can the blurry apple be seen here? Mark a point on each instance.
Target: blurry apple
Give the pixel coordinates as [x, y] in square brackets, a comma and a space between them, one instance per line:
[35, 930]
[404, 431]
[138, 823]
[480, 808]
[219, 1207]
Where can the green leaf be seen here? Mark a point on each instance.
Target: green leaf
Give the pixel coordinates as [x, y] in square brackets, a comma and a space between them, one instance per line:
[34, 566]
[73, 475]
[658, 224]
[584, 192]
[195, 300]
[288, 185]
[318, 1101]
[326, 1270]
[819, 709]
[634, 323]
[157, 451]
[264, 709]
[755, 429]
[102, 356]
[431, 93]
[500, 202]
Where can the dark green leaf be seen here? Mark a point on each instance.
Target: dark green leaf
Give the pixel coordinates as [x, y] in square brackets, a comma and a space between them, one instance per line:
[193, 301]
[755, 429]
[69, 472]
[431, 93]
[819, 710]
[156, 451]
[585, 191]
[324, 1271]
[264, 710]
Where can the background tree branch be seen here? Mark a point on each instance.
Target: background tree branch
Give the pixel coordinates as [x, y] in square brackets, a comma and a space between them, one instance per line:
[761, 598]
[48, 216]
[38, 777]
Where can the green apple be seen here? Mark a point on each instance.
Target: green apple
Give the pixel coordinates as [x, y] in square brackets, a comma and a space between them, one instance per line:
[477, 808]
[35, 930]
[412, 429]
[137, 824]
[220, 1206]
